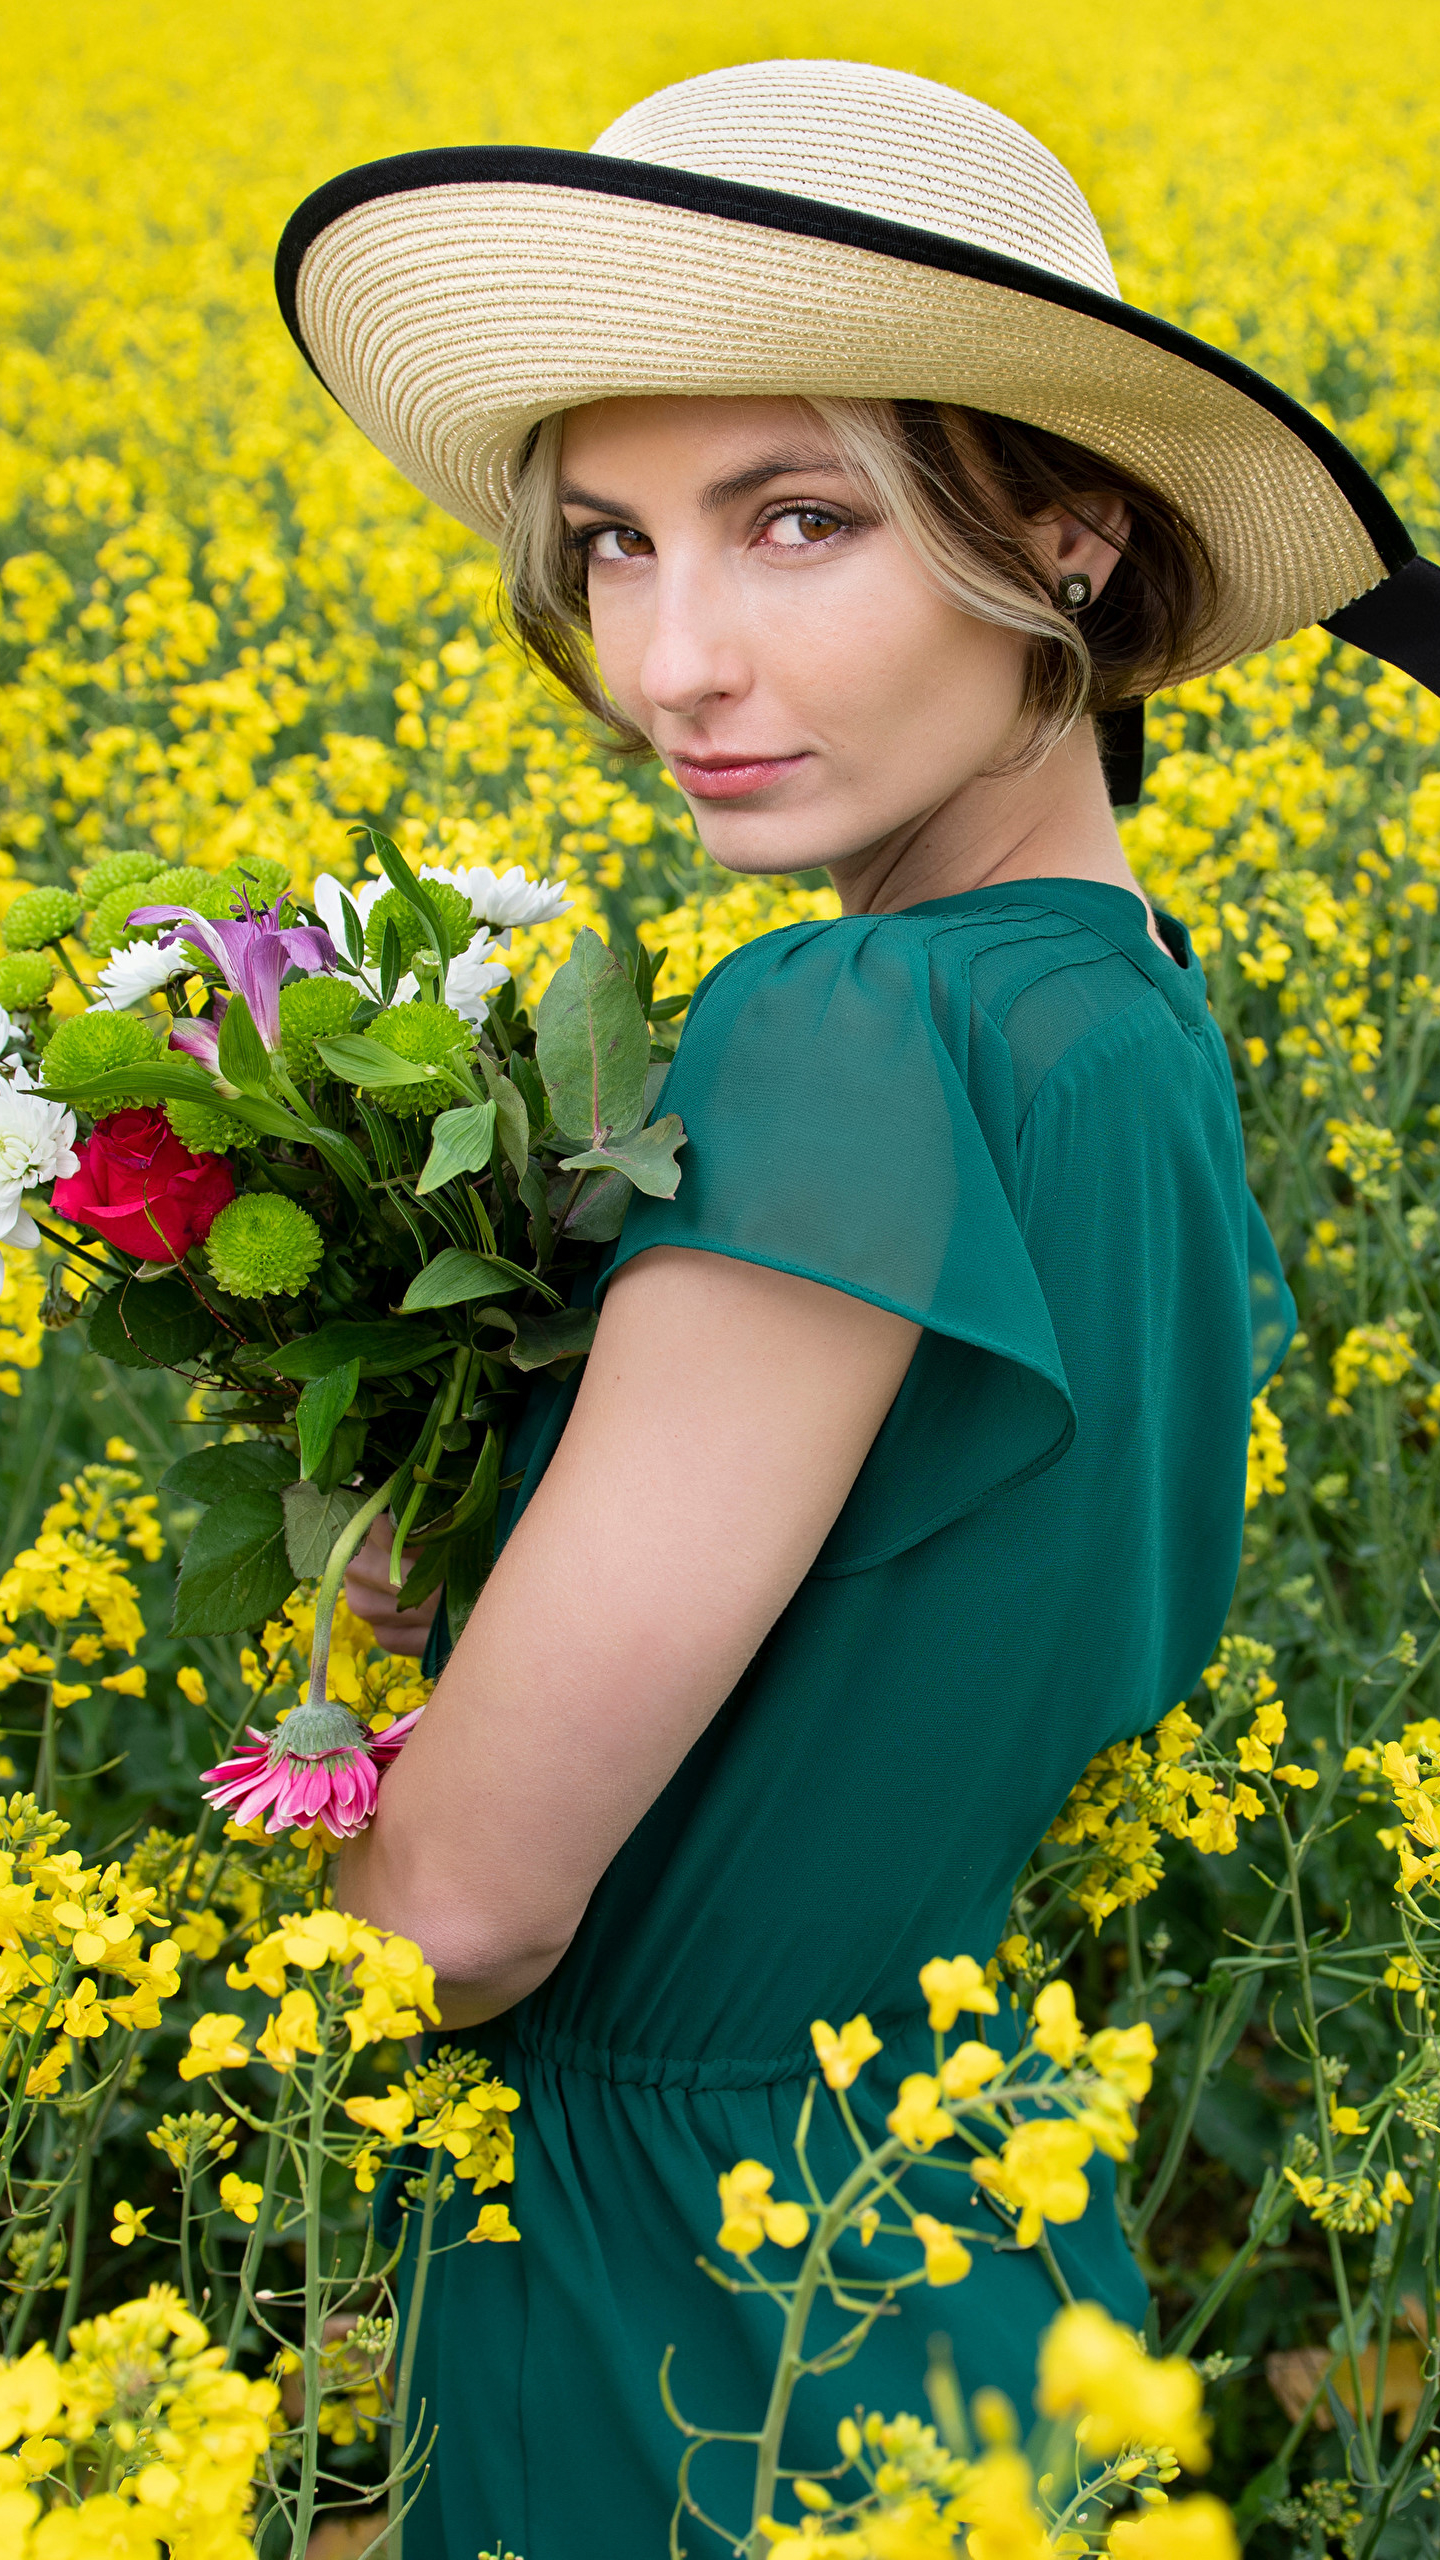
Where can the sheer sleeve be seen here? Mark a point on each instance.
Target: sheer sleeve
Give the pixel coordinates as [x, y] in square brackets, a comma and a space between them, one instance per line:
[848, 1120]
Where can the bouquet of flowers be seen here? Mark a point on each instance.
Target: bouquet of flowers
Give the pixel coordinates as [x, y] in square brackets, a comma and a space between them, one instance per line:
[339, 1178]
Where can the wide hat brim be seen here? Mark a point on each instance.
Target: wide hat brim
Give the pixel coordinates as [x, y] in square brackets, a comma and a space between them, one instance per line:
[451, 299]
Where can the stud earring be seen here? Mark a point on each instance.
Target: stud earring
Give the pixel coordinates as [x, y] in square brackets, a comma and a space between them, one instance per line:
[1075, 591]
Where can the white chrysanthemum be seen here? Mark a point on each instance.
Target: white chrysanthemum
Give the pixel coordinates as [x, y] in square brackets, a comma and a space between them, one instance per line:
[36, 1145]
[139, 970]
[8, 1030]
[472, 979]
[506, 898]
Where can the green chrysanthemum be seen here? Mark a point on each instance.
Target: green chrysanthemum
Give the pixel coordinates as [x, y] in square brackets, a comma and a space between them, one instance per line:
[203, 1131]
[40, 916]
[90, 1044]
[313, 1009]
[26, 977]
[396, 910]
[263, 1246]
[260, 876]
[428, 1033]
[110, 924]
[118, 871]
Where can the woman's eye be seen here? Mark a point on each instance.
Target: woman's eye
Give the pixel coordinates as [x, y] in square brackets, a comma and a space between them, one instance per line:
[802, 528]
[617, 542]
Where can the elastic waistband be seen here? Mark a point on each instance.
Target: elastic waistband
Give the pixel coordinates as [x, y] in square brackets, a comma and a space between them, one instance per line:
[668, 2071]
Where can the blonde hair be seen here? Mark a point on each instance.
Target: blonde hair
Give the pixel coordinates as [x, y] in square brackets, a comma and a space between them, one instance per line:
[963, 489]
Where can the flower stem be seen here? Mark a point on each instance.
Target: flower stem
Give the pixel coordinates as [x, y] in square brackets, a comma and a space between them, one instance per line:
[351, 1536]
[313, 2337]
[401, 2417]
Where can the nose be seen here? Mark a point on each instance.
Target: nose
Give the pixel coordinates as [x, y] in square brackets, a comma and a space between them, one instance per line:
[694, 651]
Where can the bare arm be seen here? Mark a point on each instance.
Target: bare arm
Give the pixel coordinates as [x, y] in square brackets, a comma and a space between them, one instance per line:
[724, 1414]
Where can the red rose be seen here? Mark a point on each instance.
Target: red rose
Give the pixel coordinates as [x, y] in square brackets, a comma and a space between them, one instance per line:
[138, 1187]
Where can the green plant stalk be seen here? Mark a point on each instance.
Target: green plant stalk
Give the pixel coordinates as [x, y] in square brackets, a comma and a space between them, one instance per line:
[187, 2190]
[1191, 2330]
[1409, 2452]
[351, 1536]
[400, 2418]
[259, 2234]
[1322, 2114]
[791, 2361]
[314, 2173]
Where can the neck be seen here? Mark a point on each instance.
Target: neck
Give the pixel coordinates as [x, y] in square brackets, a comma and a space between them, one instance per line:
[1054, 823]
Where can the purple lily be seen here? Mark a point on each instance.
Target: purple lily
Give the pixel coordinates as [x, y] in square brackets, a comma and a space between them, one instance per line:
[252, 955]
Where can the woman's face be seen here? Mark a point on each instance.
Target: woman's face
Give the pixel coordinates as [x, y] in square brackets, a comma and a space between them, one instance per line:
[811, 692]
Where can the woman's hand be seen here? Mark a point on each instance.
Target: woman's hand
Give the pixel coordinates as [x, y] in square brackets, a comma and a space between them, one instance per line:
[368, 1593]
[724, 1413]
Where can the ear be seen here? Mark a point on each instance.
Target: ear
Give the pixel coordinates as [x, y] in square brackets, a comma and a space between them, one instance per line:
[1065, 544]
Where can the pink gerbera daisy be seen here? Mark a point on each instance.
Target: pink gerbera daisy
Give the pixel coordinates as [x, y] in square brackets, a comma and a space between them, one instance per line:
[321, 1765]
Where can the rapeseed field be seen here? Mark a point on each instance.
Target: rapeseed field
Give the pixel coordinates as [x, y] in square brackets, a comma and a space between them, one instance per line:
[228, 628]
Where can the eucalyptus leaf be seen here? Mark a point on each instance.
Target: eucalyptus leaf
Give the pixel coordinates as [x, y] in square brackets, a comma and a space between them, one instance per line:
[646, 1157]
[235, 1571]
[313, 1522]
[593, 1044]
[599, 1212]
[566, 1335]
[242, 1057]
[461, 1141]
[510, 1112]
[323, 1405]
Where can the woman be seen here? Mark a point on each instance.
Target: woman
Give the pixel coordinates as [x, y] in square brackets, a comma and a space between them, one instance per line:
[907, 1470]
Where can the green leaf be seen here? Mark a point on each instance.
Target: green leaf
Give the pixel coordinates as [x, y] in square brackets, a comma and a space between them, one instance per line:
[235, 1572]
[361, 1061]
[151, 1324]
[384, 1350]
[322, 1408]
[566, 1335]
[592, 1043]
[460, 1142]
[599, 1213]
[242, 1059]
[215, 1473]
[415, 894]
[510, 1112]
[646, 1157]
[313, 1522]
[455, 1276]
[168, 1080]
[427, 1570]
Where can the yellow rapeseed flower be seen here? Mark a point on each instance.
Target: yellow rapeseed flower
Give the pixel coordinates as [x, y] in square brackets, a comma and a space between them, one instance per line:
[953, 1984]
[213, 2046]
[842, 2056]
[751, 2214]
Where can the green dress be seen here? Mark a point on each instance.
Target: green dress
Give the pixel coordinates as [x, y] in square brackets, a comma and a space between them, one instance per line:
[1008, 1116]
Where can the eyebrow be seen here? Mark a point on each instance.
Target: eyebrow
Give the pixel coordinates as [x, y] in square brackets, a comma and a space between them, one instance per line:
[770, 466]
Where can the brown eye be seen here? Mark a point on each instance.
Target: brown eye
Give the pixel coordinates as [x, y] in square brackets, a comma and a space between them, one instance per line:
[618, 542]
[801, 528]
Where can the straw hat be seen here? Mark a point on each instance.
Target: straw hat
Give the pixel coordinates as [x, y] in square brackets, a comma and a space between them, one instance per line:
[824, 228]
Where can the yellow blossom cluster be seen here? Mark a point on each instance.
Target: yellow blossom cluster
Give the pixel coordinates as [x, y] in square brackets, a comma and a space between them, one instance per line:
[143, 2405]
[1176, 1783]
[63, 1928]
[377, 1984]
[74, 1577]
[377, 1686]
[1135, 2420]
[449, 2104]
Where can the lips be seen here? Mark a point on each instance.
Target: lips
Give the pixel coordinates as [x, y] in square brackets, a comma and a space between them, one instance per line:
[730, 778]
